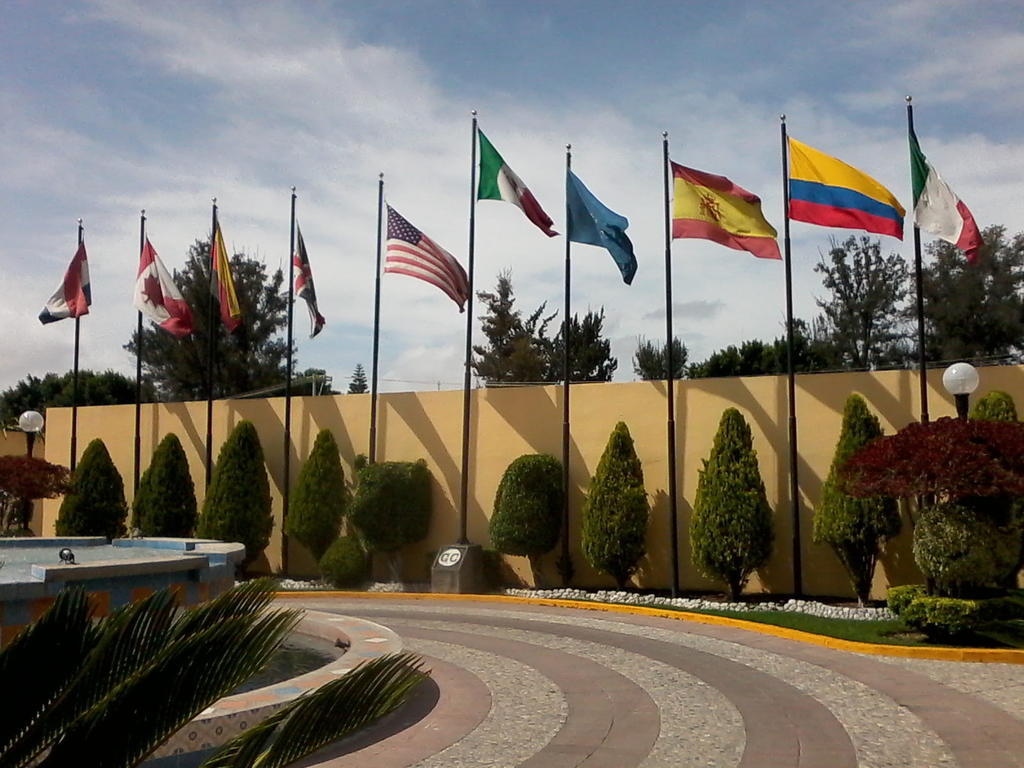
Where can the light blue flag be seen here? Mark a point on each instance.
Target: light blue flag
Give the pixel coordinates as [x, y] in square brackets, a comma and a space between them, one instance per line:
[591, 223]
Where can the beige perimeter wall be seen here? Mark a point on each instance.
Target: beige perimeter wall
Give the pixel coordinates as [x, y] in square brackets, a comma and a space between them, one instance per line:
[509, 422]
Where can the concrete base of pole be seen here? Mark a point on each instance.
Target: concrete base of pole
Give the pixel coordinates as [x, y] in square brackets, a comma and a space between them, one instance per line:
[458, 569]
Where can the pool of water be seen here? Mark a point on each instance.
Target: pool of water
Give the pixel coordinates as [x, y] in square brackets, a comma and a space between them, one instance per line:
[297, 655]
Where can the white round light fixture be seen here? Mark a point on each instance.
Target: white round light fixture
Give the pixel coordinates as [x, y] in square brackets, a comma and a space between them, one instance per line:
[30, 421]
[960, 379]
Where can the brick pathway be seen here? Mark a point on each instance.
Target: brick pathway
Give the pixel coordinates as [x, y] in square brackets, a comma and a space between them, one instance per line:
[550, 687]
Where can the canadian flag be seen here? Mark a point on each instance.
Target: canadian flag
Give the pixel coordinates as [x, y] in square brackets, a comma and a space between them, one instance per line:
[158, 298]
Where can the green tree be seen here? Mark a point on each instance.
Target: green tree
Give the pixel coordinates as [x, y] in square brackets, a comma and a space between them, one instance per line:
[731, 531]
[517, 348]
[318, 502]
[358, 384]
[392, 507]
[165, 504]
[527, 517]
[975, 311]
[80, 680]
[615, 512]
[95, 505]
[345, 563]
[855, 528]
[862, 315]
[237, 503]
[995, 406]
[812, 351]
[650, 361]
[251, 358]
[55, 390]
[590, 354]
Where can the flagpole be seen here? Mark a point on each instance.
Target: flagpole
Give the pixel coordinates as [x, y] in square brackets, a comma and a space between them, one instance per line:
[922, 361]
[138, 368]
[466, 401]
[211, 330]
[376, 321]
[565, 567]
[669, 377]
[74, 376]
[286, 485]
[794, 487]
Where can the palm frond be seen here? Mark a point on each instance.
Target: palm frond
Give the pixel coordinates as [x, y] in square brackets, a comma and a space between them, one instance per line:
[329, 713]
[247, 599]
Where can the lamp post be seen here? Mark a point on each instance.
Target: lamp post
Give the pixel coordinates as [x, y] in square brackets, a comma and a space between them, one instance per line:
[960, 380]
[30, 422]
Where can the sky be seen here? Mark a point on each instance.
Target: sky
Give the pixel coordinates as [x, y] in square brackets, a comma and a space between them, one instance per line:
[112, 106]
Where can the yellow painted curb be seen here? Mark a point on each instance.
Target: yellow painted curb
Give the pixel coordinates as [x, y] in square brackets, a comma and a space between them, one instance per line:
[983, 655]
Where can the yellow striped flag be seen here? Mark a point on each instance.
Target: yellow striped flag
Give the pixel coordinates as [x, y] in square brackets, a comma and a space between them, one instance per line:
[711, 207]
[222, 286]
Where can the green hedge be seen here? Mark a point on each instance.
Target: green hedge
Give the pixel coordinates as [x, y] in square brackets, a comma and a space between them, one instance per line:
[528, 506]
[95, 505]
[898, 598]
[392, 504]
[949, 618]
[345, 563]
[320, 498]
[165, 504]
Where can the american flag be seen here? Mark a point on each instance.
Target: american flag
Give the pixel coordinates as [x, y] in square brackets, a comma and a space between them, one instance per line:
[410, 252]
[304, 285]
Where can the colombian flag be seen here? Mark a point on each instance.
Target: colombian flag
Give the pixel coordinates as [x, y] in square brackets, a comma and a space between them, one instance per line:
[222, 286]
[828, 192]
[711, 207]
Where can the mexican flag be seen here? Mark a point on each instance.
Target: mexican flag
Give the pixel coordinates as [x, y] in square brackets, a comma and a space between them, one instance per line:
[937, 210]
[499, 182]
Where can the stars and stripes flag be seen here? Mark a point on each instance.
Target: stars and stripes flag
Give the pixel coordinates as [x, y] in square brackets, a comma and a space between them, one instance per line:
[304, 284]
[410, 252]
[158, 298]
[73, 296]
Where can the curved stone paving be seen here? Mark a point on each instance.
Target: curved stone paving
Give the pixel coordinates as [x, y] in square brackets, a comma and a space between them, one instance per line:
[540, 686]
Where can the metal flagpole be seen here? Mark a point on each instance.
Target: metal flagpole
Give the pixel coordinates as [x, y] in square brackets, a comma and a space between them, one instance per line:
[74, 376]
[565, 567]
[466, 400]
[922, 361]
[376, 321]
[794, 487]
[211, 335]
[286, 483]
[669, 379]
[138, 368]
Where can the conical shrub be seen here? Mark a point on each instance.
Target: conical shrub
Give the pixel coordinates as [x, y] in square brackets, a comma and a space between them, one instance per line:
[731, 531]
[320, 498]
[616, 511]
[95, 505]
[237, 503]
[527, 515]
[165, 504]
[855, 528]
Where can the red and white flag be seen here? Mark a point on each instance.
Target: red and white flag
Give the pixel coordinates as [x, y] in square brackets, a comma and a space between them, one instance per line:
[73, 296]
[410, 252]
[158, 298]
[304, 285]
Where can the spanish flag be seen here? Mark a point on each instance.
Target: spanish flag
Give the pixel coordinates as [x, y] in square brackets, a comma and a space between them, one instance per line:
[711, 207]
[222, 286]
[828, 192]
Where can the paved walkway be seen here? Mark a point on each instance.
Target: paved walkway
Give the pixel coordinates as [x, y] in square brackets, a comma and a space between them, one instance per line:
[552, 687]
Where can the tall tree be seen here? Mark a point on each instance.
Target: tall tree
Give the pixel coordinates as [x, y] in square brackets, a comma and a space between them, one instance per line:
[975, 311]
[251, 358]
[651, 361]
[36, 394]
[590, 355]
[862, 314]
[358, 385]
[517, 348]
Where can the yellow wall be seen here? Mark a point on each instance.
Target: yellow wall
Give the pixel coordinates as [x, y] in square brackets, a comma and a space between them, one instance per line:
[509, 422]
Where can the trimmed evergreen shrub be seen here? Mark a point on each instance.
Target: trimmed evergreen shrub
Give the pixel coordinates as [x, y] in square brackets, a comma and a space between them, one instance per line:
[345, 563]
[731, 531]
[165, 504]
[615, 512]
[855, 528]
[95, 505]
[995, 406]
[392, 504]
[527, 518]
[961, 549]
[237, 503]
[942, 618]
[320, 497]
[898, 598]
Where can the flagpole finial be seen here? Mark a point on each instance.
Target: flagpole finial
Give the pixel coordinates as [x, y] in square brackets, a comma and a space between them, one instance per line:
[214, 200]
[782, 117]
[143, 212]
[473, 112]
[568, 147]
[664, 134]
[908, 98]
[79, 221]
[380, 176]
[293, 189]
